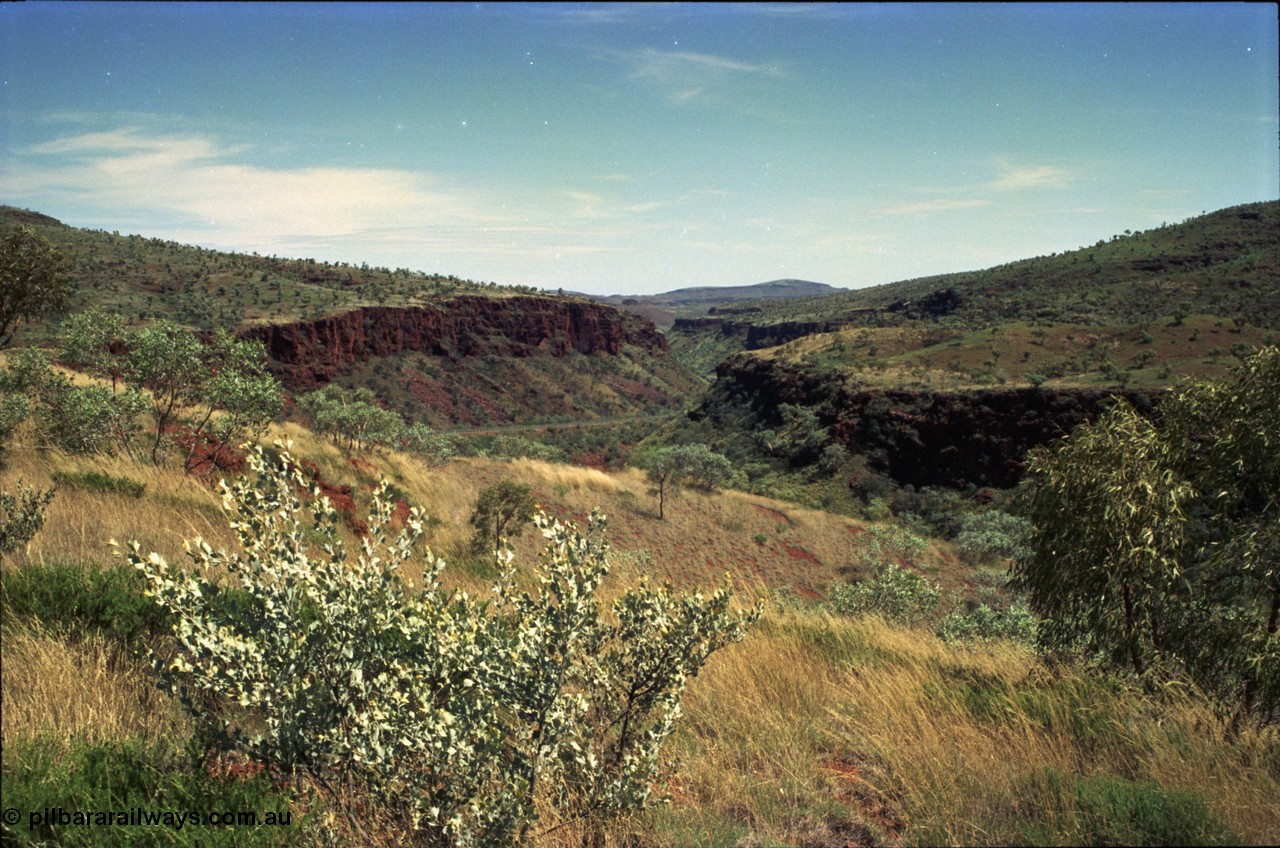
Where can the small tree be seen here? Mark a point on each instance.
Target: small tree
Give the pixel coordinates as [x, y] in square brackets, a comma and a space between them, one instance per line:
[94, 341]
[697, 465]
[1161, 541]
[34, 280]
[1110, 521]
[352, 414]
[182, 372]
[501, 511]
[434, 448]
[237, 401]
[167, 361]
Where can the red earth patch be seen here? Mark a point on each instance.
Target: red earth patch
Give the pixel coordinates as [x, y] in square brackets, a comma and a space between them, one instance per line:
[801, 554]
[773, 513]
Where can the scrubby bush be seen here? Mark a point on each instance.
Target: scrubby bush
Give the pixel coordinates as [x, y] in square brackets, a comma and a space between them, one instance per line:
[80, 599]
[993, 535]
[986, 623]
[463, 720]
[895, 594]
[21, 515]
[434, 448]
[13, 411]
[50, 777]
[887, 544]
[90, 419]
[97, 481]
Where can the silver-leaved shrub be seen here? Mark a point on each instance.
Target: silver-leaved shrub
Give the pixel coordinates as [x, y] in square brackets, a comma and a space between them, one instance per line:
[466, 722]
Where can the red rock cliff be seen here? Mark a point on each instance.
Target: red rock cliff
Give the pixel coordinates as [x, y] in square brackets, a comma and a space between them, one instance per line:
[310, 353]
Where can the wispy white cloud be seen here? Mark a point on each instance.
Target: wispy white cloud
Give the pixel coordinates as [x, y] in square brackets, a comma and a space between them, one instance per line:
[687, 76]
[198, 190]
[1014, 177]
[924, 207]
[194, 179]
[680, 66]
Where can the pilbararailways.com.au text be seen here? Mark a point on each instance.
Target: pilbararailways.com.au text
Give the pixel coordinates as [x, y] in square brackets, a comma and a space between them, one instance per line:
[144, 817]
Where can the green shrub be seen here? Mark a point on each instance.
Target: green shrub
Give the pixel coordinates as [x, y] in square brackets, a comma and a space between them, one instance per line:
[91, 419]
[896, 594]
[993, 534]
[81, 599]
[462, 720]
[887, 544]
[986, 623]
[43, 779]
[1107, 810]
[21, 515]
[14, 409]
[97, 481]
[434, 448]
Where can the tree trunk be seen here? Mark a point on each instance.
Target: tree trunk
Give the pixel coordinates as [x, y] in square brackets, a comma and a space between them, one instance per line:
[1131, 634]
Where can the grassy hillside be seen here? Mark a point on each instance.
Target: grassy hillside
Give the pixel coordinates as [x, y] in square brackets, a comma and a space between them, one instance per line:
[1224, 266]
[818, 730]
[145, 278]
[1139, 313]
[1224, 263]
[149, 279]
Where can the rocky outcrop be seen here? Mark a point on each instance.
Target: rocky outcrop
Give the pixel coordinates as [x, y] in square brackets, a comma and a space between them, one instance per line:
[954, 439]
[758, 336]
[309, 353]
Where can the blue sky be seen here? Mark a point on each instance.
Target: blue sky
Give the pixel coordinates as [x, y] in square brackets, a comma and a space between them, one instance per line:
[639, 148]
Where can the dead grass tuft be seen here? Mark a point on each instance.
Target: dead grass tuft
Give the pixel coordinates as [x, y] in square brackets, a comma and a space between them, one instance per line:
[88, 690]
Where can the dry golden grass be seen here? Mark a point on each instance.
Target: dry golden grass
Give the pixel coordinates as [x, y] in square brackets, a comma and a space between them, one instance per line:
[79, 523]
[815, 731]
[87, 690]
[756, 540]
[896, 732]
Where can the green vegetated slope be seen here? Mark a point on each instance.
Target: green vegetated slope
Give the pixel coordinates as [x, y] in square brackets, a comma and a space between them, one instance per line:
[947, 381]
[145, 280]
[1225, 264]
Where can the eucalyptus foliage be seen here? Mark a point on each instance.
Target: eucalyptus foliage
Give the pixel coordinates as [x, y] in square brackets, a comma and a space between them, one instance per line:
[896, 594]
[462, 719]
[351, 415]
[501, 511]
[222, 375]
[1158, 543]
[34, 279]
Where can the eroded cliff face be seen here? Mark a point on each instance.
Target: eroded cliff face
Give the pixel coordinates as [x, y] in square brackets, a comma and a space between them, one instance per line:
[307, 354]
[923, 438]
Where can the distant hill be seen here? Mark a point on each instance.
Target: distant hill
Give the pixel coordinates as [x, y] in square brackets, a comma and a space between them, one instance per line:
[949, 380]
[1225, 263]
[772, 290]
[662, 309]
